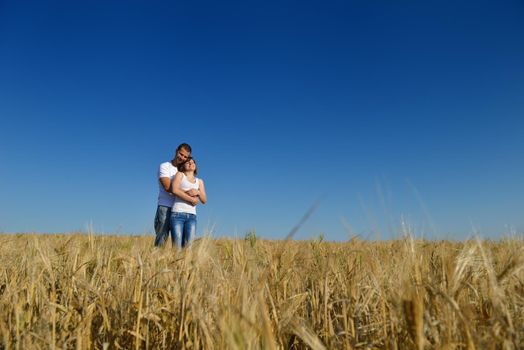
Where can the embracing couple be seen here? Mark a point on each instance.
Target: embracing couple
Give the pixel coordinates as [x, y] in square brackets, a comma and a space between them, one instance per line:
[179, 193]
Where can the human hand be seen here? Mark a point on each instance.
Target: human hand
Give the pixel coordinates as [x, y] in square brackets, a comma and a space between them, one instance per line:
[194, 201]
[192, 192]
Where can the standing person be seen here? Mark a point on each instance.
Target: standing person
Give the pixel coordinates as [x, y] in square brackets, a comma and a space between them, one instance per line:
[166, 173]
[183, 214]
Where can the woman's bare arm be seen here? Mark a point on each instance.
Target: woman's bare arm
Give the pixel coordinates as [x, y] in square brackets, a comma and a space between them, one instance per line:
[202, 192]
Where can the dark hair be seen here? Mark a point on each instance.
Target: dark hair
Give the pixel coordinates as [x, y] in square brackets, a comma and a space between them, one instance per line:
[180, 167]
[184, 146]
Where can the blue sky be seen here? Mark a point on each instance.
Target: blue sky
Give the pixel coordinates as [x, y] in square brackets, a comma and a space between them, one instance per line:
[381, 111]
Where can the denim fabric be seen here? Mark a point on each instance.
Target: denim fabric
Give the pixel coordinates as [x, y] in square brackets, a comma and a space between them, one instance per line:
[162, 224]
[183, 228]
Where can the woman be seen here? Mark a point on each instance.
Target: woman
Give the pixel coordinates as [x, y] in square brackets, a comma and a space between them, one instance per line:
[183, 214]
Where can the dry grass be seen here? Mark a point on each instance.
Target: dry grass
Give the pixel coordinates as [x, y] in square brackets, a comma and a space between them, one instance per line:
[86, 291]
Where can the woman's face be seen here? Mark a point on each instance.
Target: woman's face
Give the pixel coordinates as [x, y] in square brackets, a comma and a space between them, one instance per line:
[190, 165]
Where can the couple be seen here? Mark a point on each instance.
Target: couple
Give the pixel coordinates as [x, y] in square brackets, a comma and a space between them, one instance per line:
[179, 193]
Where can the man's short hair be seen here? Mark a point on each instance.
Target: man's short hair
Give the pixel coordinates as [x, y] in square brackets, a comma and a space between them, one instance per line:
[184, 146]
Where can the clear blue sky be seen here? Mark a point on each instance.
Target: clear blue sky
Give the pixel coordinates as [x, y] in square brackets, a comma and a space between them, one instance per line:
[381, 110]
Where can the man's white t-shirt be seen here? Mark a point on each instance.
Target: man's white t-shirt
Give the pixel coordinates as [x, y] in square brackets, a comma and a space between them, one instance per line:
[166, 170]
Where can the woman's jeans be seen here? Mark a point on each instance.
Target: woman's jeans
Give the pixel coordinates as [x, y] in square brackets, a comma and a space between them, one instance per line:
[183, 228]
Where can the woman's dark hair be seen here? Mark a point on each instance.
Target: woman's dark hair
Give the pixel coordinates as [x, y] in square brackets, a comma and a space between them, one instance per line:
[180, 167]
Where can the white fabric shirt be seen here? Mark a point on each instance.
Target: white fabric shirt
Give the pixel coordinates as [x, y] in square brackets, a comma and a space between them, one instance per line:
[180, 205]
[166, 170]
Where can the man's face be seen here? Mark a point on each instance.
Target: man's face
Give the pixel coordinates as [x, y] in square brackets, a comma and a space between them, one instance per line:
[181, 156]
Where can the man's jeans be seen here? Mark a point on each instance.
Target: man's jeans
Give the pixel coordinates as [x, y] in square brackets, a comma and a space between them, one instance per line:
[183, 228]
[162, 224]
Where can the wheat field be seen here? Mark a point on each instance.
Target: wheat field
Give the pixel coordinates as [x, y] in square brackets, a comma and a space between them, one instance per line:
[86, 291]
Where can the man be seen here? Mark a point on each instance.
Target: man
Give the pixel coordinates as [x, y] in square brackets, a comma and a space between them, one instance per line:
[166, 173]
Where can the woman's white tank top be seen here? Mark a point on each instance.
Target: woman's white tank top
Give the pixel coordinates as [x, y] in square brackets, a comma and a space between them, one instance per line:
[181, 206]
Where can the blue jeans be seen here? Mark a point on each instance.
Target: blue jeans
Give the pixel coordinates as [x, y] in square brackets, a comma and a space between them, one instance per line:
[183, 228]
[162, 224]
